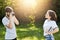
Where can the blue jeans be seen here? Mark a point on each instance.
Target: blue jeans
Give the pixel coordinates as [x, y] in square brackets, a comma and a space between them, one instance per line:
[49, 37]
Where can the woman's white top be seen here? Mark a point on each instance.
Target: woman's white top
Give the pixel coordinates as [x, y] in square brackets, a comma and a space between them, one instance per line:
[49, 25]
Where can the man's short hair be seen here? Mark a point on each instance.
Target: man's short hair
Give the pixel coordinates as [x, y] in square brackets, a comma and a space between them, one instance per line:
[8, 9]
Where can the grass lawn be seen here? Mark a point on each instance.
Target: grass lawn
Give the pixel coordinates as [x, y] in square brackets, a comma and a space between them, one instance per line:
[28, 32]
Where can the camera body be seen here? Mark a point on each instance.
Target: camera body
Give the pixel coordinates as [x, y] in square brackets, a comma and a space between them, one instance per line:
[10, 14]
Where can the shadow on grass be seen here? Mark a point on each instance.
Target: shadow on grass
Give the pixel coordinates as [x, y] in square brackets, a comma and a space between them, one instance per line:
[26, 34]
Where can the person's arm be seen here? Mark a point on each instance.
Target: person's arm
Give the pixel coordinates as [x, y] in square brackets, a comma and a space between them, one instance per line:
[9, 25]
[16, 21]
[54, 31]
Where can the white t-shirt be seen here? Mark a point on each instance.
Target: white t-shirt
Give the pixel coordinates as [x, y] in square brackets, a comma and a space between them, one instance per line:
[49, 25]
[10, 33]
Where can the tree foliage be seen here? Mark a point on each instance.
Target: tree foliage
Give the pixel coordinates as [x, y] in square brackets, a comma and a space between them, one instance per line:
[4, 3]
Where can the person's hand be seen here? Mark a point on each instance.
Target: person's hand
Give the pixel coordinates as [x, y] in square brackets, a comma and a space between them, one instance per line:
[48, 32]
[10, 17]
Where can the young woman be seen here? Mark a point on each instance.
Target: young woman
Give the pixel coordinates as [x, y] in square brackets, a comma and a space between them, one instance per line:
[9, 22]
[50, 27]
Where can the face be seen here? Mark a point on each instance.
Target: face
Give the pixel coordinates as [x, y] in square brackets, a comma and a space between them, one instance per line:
[7, 14]
[47, 16]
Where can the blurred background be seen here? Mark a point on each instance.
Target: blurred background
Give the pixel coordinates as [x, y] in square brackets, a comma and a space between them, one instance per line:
[30, 14]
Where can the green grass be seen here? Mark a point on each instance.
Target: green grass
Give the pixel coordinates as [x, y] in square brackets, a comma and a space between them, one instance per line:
[28, 32]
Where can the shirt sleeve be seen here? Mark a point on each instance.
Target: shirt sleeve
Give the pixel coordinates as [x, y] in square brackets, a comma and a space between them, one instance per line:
[5, 22]
[54, 25]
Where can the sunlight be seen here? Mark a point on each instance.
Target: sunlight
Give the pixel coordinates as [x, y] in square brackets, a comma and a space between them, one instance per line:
[29, 3]
[30, 38]
[35, 38]
[26, 8]
[27, 38]
[31, 6]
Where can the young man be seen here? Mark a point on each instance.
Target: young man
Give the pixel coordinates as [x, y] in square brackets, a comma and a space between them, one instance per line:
[9, 22]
